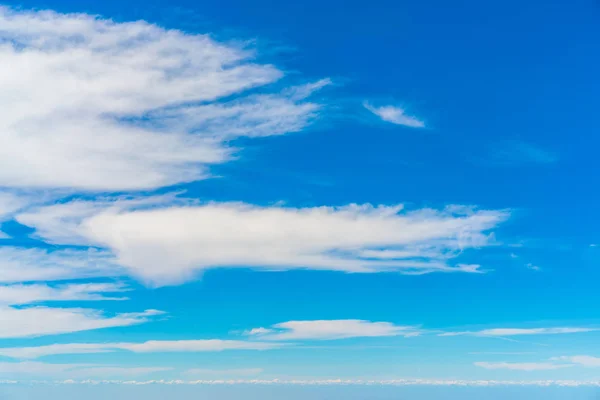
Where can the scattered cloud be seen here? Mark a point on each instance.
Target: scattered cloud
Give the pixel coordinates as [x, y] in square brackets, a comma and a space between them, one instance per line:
[224, 372]
[38, 321]
[19, 264]
[154, 346]
[168, 245]
[151, 346]
[395, 115]
[522, 366]
[342, 382]
[585, 361]
[500, 332]
[91, 104]
[258, 331]
[518, 152]
[553, 363]
[9, 204]
[530, 266]
[333, 329]
[505, 353]
[33, 293]
[533, 267]
[54, 349]
[78, 371]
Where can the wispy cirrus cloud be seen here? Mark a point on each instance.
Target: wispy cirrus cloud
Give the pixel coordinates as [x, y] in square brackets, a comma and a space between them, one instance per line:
[33, 369]
[517, 152]
[223, 373]
[10, 203]
[18, 264]
[261, 339]
[551, 364]
[540, 366]
[395, 115]
[345, 382]
[151, 346]
[585, 361]
[20, 294]
[503, 332]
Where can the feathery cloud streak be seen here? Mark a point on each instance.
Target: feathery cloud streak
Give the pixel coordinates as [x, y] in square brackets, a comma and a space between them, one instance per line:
[395, 115]
[332, 330]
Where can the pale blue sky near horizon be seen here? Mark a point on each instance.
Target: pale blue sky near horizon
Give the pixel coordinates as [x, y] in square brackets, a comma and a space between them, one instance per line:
[152, 392]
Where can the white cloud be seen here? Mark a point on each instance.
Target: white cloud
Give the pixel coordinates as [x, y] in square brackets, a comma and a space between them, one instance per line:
[395, 115]
[154, 346]
[224, 372]
[258, 331]
[517, 152]
[522, 366]
[168, 245]
[59, 223]
[54, 349]
[32, 293]
[333, 329]
[499, 332]
[38, 321]
[345, 382]
[30, 264]
[533, 267]
[43, 370]
[9, 204]
[151, 346]
[91, 104]
[553, 363]
[505, 353]
[585, 361]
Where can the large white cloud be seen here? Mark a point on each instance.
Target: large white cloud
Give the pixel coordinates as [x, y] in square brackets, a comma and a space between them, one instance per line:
[167, 245]
[91, 104]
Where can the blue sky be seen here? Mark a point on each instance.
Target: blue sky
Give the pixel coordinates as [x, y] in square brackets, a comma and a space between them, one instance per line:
[299, 192]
